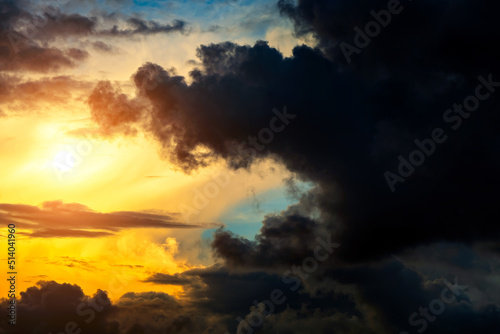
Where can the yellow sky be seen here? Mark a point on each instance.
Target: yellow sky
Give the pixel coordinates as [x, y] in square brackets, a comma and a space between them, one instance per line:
[41, 161]
[126, 174]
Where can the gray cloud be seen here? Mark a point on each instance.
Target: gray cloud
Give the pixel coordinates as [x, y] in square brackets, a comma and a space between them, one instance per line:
[58, 219]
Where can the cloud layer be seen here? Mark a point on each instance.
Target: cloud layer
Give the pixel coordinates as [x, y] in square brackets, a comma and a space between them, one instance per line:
[58, 219]
[347, 122]
[352, 121]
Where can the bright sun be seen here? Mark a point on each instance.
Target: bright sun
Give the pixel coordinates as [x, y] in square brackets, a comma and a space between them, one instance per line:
[64, 161]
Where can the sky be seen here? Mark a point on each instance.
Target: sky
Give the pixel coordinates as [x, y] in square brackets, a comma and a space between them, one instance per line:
[290, 166]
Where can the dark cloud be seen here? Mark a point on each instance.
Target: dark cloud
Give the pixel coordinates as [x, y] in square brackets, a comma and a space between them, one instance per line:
[230, 294]
[17, 93]
[48, 23]
[346, 139]
[384, 286]
[144, 27]
[167, 279]
[51, 26]
[50, 306]
[100, 46]
[40, 59]
[27, 38]
[20, 52]
[58, 219]
[354, 123]
[284, 239]
[9, 10]
[55, 24]
[350, 122]
[454, 37]
[160, 313]
[375, 298]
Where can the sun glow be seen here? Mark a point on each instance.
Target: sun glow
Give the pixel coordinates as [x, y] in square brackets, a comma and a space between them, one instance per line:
[123, 263]
[64, 161]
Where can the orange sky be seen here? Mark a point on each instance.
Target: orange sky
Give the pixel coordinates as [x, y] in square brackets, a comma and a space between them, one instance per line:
[45, 158]
[106, 176]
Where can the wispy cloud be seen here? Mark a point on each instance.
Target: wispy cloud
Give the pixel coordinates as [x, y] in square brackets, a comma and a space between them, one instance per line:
[58, 219]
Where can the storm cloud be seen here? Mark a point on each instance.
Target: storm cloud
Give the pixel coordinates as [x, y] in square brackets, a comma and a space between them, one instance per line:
[355, 121]
[58, 219]
[28, 34]
[345, 124]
